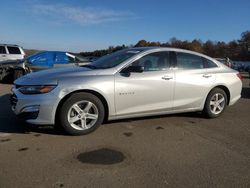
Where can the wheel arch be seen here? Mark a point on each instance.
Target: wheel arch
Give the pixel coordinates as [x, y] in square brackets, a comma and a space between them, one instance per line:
[95, 93]
[224, 88]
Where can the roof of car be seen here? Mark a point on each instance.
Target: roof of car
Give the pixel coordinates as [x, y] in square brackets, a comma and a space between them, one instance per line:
[45, 51]
[158, 47]
[163, 48]
[54, 51]
[143, 49]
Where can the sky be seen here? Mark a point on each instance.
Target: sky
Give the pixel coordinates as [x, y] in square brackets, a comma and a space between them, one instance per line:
[87, 25]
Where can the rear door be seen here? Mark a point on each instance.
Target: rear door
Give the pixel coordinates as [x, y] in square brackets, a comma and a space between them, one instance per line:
[193, 81]
[3, 53]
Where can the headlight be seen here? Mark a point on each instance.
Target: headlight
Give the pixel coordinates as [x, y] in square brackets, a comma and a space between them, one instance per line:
[29, 90]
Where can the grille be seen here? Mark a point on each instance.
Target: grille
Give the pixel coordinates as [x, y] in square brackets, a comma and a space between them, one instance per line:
[13, 101]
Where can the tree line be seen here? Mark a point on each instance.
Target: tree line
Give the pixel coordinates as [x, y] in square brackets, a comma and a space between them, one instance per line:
[235, 49]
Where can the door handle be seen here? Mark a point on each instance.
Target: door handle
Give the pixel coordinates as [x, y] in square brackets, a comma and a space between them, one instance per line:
[207, 75]
[3, 55]
[167, 77]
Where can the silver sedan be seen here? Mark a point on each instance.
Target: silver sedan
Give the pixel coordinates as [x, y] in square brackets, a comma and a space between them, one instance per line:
[129, 83]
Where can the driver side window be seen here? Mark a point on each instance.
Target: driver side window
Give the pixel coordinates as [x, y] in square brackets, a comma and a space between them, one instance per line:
[157, 61]
[41, 60]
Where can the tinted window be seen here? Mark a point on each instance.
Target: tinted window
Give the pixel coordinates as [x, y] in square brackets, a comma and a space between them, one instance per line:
[13, 50]
[154, 62]
[42, 59]
[189, 61]
[208, 63]
[2, 50]
[61, 58]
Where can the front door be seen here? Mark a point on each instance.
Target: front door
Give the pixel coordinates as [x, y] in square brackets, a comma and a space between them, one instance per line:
[147, 92]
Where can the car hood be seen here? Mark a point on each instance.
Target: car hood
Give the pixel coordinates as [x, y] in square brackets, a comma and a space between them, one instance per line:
[52, 76]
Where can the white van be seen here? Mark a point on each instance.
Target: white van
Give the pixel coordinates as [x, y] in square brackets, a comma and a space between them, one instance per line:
[11, 52]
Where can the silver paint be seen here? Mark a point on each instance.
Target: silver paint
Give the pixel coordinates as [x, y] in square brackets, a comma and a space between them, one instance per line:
[140, 94]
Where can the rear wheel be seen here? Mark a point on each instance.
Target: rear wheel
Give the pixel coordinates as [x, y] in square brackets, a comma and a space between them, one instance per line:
[216, 103]
[81, 114]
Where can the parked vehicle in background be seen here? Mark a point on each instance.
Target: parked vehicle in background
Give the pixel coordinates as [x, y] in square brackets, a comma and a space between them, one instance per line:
[130, 83]
[11, 70]
[52, 59]
[246, 66]
[238, 66]
[40, 61]
[11, 52]
[226, 61]
[241, 66]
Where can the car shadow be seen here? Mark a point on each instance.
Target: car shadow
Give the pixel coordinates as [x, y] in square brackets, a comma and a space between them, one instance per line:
[9, 123]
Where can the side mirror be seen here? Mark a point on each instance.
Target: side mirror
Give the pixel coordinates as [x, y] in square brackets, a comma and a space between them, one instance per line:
[138, 69]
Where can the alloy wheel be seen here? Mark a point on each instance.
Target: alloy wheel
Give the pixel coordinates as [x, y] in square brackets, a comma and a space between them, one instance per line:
[83, 115]
[217, 103]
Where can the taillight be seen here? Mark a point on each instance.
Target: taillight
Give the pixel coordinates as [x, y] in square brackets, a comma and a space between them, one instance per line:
[239, 76]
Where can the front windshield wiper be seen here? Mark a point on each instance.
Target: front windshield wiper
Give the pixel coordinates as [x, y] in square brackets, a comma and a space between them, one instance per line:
[89, 66]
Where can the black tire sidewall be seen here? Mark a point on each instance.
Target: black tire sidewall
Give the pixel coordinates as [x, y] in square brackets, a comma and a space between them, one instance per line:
[74, 98]
[207, 110]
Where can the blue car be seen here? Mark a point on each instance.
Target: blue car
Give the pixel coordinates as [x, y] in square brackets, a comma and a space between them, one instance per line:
[52, 59]
[40, 61]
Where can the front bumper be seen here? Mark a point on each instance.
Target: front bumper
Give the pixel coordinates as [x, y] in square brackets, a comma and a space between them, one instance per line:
[37, 109]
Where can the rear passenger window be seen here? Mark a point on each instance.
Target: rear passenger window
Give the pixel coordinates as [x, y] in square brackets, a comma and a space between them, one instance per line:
[61, 58]
[2, 50]
[13, 50]
[209, 64]
[189, 61]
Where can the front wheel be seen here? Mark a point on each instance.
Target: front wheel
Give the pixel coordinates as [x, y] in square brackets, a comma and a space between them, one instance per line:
[81, 114]
[216, 103]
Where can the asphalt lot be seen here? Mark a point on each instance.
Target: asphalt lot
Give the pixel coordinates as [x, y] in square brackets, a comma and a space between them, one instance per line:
[184, 150]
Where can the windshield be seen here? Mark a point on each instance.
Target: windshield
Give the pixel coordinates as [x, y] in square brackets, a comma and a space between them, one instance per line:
[114, 59]
[34, 55]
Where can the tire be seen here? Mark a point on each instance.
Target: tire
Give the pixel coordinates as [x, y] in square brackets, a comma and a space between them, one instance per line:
[215, 106]
[81, 113]
[17, 74]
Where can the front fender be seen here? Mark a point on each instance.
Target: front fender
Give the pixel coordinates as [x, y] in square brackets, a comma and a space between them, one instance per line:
[103, 86]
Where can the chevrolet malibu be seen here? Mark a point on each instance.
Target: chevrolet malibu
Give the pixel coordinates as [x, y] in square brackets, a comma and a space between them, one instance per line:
[129, 83]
